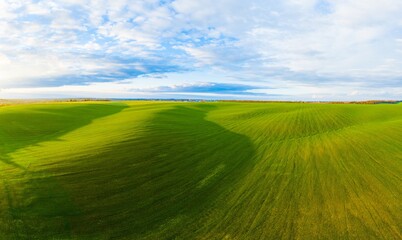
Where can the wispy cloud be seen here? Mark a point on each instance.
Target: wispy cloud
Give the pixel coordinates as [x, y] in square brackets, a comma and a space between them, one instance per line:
[339, 47]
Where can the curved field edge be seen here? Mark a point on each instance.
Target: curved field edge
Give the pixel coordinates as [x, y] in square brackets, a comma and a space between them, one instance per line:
[150, 170]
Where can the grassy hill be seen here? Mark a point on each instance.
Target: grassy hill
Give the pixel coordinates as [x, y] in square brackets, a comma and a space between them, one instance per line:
[163, 170]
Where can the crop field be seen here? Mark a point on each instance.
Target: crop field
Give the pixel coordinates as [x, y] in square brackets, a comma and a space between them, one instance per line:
[181, 170]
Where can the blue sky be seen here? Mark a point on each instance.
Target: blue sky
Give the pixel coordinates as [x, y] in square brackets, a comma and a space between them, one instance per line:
[226, 49]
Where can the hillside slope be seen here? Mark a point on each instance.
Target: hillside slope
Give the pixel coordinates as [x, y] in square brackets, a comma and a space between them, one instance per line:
[155, 170]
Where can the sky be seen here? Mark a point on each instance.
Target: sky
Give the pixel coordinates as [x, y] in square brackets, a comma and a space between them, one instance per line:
[314, 50]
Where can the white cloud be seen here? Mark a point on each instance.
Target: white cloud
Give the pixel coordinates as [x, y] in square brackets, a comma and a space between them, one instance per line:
[202, 56]
[38, 8]
[296, 42]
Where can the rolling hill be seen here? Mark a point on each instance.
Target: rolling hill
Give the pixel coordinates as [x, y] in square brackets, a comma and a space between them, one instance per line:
[224, 170]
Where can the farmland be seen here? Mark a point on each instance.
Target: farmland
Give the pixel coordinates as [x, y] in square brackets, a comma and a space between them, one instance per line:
[224, 170]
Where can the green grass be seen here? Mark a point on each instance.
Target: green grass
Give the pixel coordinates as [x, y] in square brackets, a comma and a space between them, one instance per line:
[160, 170]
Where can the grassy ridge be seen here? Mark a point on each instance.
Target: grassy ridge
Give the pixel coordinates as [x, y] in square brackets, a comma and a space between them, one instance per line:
[148, 170]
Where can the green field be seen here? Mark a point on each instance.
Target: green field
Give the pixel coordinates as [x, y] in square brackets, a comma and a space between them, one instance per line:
[169, 170]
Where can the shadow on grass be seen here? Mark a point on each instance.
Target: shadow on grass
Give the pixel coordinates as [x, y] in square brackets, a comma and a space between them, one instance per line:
[152, 186]
[35, 124]
[40, 205]
[173, 175]
[35, 202]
